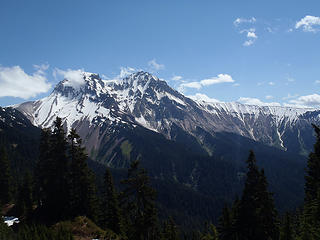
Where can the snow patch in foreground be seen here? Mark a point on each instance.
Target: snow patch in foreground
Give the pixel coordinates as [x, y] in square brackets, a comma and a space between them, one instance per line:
[10, 220]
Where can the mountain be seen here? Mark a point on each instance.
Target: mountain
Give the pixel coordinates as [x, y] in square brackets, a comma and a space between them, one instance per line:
[97, 107]
[195, 151]
[20, 139]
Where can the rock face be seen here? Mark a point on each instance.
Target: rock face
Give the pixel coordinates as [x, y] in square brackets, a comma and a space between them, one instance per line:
[97, 108]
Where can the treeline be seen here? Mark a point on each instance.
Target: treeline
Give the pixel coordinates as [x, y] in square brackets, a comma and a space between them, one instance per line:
[62, 187]
[254, 216]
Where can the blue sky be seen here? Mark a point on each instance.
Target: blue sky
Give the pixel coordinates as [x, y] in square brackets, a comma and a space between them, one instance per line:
[258, 52]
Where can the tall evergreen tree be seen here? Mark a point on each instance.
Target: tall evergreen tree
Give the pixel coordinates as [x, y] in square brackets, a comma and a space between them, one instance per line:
[310, 222]
[52, 173]
[25, 197]
[210, 234]
[79, 179]
[5, 177]
[312, 179]
[286, 231]
[111, 213]
[225, 226]
[82, 190]
[170, 231]
[139, 204]
[59, 202]
[257, 215]
[43, 169]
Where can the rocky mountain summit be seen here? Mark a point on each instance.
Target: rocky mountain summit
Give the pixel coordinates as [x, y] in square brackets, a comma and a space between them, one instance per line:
[95, 107]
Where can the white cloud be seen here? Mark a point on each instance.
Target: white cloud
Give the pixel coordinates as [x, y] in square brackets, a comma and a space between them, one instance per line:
[155, 66]
[269, 97]
[270, 30]
[105, 77]
[309, 23]
[236, 84]
[176, 78]
[75, 77]
[271, 83]
[196, 85]
[239, 21]
[125, 71]
[203, 97]
[221, 78]
[14, 82]
[289, 96]
[317, 81]
[41, 68]
[308, 101]
[248, 43]
[251, 35]
[251, 32]
[256, 101]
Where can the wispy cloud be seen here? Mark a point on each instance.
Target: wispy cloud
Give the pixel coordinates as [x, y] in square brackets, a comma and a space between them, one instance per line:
[15, 82]
[248, 43]
[269, 97]
[203, 97]
[245, 26]
[307, 101]
[176, 78]
[251, 34]
[75, 77]
[309, 24]
[196, 85]
[238, 21]
[271, 83]
[221, 78]
[125, 71]
[289, 96]
[256, 101]
[155, 66]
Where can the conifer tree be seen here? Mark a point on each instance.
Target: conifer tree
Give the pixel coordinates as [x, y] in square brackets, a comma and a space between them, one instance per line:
[43, 168]
[139, 204]
[59, 202]
[225, 226]
[211, 233]
[25, 198]
[312, 183]
[52, 173]
[5, 178]
[82, 192]
[110, 211]
[311, 210]
[170, 231]
[257, 215]
[286, 231]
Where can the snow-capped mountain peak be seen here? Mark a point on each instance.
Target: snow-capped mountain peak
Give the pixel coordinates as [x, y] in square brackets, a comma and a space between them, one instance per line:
[87, 101]
[81, 83]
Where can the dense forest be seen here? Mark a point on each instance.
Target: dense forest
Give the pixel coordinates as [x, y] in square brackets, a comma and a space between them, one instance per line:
[61, 198]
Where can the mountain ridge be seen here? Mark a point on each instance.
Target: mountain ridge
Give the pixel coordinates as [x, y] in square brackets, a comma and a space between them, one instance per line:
[143, 99]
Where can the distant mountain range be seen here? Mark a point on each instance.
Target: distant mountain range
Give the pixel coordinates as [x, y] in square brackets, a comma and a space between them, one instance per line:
[194, 150]
[97, 106]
